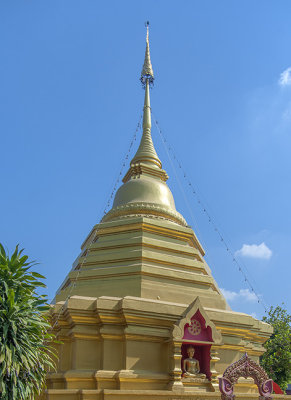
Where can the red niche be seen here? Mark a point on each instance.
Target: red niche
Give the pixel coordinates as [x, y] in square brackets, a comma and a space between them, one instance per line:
[202, 354]
[197, 330]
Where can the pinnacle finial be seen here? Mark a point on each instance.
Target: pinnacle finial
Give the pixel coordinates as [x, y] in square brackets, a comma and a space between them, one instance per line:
[147, 72]
[146, 152]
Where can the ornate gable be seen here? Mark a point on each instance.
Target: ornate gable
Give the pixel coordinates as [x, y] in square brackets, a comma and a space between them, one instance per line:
[195, 325]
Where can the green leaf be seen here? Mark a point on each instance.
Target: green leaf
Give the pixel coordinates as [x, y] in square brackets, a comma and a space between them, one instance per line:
[2, 251]
[37, 275]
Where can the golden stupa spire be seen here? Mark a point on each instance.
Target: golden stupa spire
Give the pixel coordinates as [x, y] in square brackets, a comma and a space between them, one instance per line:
[146, 151]
[144, 190]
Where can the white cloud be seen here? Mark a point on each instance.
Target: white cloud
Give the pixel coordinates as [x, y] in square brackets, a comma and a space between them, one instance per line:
[243, 295]
[228, 294]
[285, 77]
[248, 295]
[255, 251]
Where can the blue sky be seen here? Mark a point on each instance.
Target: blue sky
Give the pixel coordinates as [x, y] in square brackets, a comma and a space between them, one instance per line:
[70, 101]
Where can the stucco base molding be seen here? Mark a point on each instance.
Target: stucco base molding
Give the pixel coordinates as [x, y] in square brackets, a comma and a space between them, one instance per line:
[107, 394]
[129, 379]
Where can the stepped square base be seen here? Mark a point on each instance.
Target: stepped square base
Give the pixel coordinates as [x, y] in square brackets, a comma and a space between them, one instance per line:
[107, 394]
[132, 348]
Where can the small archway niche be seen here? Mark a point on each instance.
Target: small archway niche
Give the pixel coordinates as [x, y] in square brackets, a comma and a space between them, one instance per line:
[198, 335]
[194, 328]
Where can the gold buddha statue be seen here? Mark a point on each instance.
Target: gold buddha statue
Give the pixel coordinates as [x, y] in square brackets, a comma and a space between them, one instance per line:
[191, 366]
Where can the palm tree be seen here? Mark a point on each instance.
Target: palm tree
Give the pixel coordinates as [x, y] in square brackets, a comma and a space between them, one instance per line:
[25, 352]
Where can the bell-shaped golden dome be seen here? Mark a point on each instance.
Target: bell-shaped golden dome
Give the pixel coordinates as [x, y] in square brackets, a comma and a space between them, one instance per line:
[145, 189]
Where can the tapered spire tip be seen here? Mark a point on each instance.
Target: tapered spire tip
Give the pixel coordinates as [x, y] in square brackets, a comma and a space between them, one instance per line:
[147, 72]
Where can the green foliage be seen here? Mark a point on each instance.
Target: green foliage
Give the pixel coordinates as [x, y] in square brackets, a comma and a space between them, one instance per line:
[277, 359]
[24, 339]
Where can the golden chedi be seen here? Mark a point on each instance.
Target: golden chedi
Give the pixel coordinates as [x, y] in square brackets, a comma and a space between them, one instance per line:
[140, 315]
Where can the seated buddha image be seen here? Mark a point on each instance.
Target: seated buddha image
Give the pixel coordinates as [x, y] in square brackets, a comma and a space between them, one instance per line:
[191, 366]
